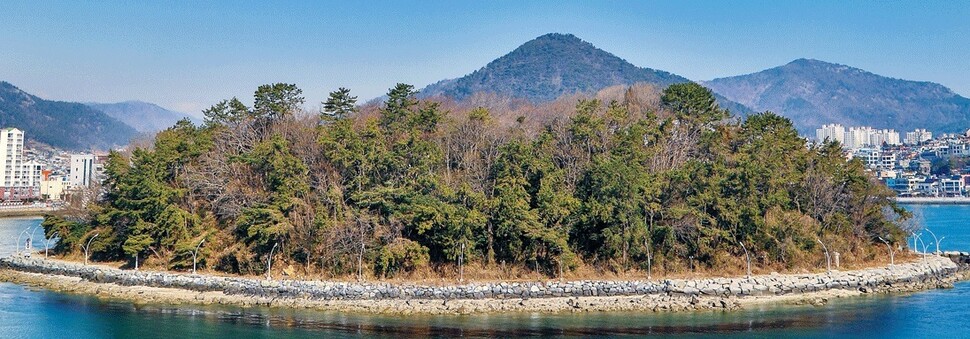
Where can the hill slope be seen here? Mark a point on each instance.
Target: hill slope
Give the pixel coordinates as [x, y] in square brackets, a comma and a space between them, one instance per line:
[553, 65]
[812, 93]
[67, 125]
[143, 116]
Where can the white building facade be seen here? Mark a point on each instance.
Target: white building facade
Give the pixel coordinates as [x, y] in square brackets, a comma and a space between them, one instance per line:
[82, 170]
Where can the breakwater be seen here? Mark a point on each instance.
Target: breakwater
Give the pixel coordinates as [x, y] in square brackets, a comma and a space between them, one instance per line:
[551, 296]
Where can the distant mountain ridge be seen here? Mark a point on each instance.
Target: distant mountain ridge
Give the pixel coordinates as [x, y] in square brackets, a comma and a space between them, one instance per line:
[143, 116]
[554, 65]
[67, 125]
[812, 92]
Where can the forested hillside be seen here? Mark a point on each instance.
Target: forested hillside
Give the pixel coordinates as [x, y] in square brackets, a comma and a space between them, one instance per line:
[552, 66]
[411, 188]
[812, 93]
[68, 125]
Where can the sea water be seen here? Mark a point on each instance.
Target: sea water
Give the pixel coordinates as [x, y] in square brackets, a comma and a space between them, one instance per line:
[33, 313]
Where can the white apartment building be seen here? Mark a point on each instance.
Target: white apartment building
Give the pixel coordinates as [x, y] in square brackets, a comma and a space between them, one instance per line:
[834, 132]
[858, 137]
[82, 169]
[917, 136]
[876, 159]
[11, 153]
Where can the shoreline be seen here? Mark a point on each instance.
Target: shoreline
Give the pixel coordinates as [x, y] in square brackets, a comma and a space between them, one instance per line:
[934, 200]
[141, 287]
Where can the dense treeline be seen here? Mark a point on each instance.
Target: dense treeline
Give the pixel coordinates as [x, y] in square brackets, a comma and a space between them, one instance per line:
[407, 185]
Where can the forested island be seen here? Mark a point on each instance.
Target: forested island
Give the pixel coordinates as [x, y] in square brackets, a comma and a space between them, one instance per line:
[629, 181]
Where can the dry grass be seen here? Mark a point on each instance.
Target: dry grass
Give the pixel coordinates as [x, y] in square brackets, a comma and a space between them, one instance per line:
[728, 266]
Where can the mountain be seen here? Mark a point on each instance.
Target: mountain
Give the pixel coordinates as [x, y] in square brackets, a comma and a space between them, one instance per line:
[813, 92]
[553, 65]
[143, 116]
[67, 125]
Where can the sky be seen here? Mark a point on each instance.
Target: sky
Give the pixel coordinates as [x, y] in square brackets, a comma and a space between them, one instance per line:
[189, 55]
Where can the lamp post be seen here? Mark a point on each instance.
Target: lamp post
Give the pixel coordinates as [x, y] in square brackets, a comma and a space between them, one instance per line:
[746, 257]
[19, 237]
[935, 240]
[924, 247]
[196, 252]
[892, 256]
[269, 264]
[30, 239]
[461, 257]
[828, 259]
[47, 243]
[88, 246]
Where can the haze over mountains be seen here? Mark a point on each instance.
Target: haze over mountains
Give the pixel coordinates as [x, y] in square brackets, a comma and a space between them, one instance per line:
[143, 116]
[813, 92]
[77, 126]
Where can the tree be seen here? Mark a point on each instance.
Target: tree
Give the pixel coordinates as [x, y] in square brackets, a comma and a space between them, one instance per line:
[277, 101]
[340, 104]
[226, 112]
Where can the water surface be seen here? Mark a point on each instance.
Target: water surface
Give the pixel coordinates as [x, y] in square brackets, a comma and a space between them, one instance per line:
[31, 313]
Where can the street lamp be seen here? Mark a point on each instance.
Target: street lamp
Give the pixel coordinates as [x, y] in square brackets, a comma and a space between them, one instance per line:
[892, 256]
[935, 240]
[19, 237]
[47, 243]
[195, 253]
[828, 259]
[461, 256]
[924, 247]
[269, 264]
[86, 247]
[747, 258]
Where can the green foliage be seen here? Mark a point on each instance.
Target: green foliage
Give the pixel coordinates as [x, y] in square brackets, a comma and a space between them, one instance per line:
[401, 256]
[340, 104]
[226, 112]
[277, 100]
[412, 187]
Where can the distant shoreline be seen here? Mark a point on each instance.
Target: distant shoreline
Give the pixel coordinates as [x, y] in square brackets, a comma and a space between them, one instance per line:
[26, 212]
[934, 200]
[662, 295]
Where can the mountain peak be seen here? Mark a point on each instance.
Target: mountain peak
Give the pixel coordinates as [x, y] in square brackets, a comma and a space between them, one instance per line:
[813, 92]
[548, 67]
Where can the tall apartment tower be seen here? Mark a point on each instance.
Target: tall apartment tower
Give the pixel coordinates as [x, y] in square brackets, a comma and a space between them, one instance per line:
[11, 153]
[835, 132]
[82, 170]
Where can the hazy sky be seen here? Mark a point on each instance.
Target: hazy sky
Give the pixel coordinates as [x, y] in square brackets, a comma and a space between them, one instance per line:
[186, 56]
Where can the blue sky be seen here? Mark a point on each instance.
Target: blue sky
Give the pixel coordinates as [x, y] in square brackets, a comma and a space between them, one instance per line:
[188, 55]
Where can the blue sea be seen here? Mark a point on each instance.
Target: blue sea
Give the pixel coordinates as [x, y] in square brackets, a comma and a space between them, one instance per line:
[32, 313]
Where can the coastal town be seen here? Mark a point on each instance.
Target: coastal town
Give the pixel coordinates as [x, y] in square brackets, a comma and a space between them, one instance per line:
[41, 173]
[914, 164]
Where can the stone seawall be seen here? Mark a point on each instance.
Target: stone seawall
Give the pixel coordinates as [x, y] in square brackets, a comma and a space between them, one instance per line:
[934, 271]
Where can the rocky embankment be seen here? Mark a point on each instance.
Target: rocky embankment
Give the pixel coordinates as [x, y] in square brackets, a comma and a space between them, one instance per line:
[656, 295]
